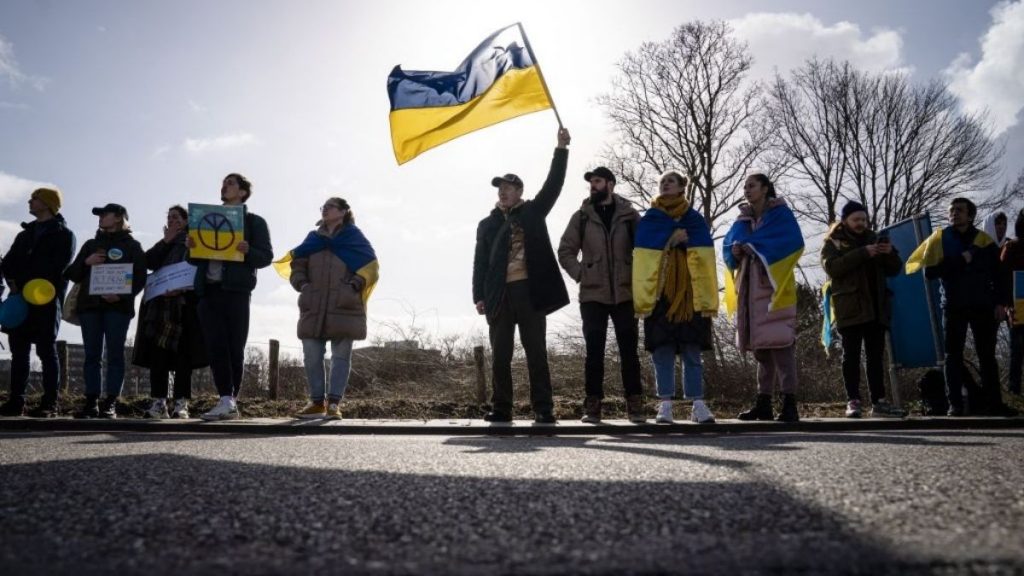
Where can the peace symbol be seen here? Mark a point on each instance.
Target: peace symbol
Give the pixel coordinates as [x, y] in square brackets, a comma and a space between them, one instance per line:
[218, 224]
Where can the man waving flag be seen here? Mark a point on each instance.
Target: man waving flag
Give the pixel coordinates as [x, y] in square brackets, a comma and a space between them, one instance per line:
[499, 80]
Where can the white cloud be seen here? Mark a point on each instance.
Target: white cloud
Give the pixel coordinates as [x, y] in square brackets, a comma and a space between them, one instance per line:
[10, 69]
[8, 230]
[4, 105]
[160, 151]
[995, 82]
[218, 143]
[15, 189]
[786, 40]
[195, 106]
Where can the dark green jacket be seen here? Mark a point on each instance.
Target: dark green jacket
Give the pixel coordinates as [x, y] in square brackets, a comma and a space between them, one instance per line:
[120, 248]
[855, 297]
[241, 276]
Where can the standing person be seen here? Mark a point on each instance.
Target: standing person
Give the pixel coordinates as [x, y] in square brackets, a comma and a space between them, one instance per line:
[966, 261]
[42, 250]
[603, 230]
[224, 290]
[996, 225]
[857, 262]
[334, 270]
[1012, 260]
[761, 251]
[105, 318]
[516, 282]
[675, 286]
[168, 337]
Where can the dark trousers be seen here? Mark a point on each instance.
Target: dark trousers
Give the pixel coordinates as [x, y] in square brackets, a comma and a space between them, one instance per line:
[516, 310]
[224, 318]
[870, 336]
[982, 326]
[164, 363]
[46, 351]
[595, 332]
[1016, 356]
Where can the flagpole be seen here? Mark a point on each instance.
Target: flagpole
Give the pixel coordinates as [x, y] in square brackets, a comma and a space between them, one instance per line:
[540, 73]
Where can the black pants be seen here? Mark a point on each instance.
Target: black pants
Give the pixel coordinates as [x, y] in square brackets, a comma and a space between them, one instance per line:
[870, 336]
[224, 317]
[1016, 357]
[516, 310]
[46, 351]
[982, 326]
[165, 362]
[595, 332]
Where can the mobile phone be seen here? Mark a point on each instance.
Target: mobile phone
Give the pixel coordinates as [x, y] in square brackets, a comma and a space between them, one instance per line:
[884, 239]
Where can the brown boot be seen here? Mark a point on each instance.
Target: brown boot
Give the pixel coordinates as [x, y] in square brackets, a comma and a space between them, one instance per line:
[635, 409]
[591, 410]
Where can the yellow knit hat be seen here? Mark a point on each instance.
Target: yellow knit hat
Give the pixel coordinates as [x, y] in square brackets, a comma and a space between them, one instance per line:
[49, 196]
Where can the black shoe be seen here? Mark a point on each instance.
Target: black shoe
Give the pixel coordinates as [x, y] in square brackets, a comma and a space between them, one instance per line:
[13, 407]
[48, 408]
[108, 407]
[495, 416]
[90, 408]
[762, 409]
[544, 418]
[788, 412]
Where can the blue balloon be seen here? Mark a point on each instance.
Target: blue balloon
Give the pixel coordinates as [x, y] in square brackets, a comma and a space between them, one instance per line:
[13, 311]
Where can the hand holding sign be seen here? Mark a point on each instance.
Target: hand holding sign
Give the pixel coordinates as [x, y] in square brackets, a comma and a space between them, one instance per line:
[217, 232]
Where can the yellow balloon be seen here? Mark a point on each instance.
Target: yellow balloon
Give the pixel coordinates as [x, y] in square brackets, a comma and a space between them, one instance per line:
[39, 291]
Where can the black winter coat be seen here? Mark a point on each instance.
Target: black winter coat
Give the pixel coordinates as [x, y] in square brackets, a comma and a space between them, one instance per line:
[191, 350]
[490, 261]
[120, 248]
[40, 250]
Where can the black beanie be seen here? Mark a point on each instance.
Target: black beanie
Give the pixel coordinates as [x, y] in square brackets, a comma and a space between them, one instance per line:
[851, 207]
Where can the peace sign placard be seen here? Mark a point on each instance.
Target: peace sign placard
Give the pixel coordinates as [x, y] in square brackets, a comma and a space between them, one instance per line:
[216, 231]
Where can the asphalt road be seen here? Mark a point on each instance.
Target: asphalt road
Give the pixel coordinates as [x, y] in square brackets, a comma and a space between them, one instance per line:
[783, 503]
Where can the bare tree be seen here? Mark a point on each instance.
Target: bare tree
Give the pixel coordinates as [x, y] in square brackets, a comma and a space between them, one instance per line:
[897, 147]
[685, 104]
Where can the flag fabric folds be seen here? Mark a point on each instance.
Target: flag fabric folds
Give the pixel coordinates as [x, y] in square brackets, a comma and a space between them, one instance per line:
[828, 318]
[651, 250]
[778, 243]
[497, 81]
[930, 252]
[350, 245]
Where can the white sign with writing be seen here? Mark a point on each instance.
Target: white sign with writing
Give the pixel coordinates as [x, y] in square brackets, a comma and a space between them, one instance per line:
[180, 276]
[110, 279]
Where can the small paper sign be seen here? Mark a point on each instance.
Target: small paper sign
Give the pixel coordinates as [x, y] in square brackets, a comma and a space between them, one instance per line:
[180, 276]
[110, 279]
[216, 231]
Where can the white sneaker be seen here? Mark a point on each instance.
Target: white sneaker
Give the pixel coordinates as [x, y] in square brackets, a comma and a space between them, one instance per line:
[157, 410]
[664, 413]
[226, 409]
[180, 409]
[701, 414]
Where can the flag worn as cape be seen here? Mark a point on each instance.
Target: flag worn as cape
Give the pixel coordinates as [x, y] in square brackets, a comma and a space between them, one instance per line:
[778, 243]
[497, 81]
[350, 245]
[931, 252]
[649, 253]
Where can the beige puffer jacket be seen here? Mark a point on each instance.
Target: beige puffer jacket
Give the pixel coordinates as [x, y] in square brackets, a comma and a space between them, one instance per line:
[330, 304]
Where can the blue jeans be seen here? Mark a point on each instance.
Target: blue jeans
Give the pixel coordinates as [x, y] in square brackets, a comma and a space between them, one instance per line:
[664, 358]
[313, 350]
[99, 327]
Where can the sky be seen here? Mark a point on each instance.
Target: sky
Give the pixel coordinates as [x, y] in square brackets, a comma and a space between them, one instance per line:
[150, 104]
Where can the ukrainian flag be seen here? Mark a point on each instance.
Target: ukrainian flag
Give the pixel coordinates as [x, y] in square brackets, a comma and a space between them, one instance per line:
[499, 80]
[649, 253]
[1018, 297]
[349, 245]
[778, 243]
[931, 252]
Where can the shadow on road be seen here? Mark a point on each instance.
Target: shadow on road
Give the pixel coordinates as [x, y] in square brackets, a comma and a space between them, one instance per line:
[163, 514]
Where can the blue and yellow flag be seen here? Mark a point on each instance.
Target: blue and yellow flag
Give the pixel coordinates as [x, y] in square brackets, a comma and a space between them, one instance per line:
[651, 249]
[349, 245]
[828, 318]
[931, 252]
[778, 243]
[499, 80]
